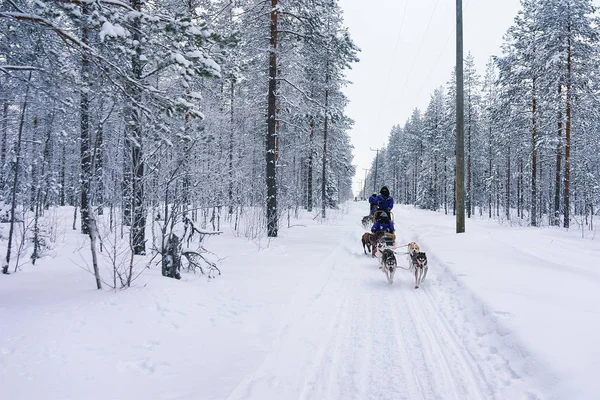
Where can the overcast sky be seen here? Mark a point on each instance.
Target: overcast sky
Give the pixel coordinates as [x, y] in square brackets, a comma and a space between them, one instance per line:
[385, 89]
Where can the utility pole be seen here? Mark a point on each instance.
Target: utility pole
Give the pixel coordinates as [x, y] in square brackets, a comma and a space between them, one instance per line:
[460, 141]
[376, 163]
[365, 183]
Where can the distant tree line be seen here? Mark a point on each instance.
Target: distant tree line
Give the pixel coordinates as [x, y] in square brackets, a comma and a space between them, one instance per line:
[532, 126]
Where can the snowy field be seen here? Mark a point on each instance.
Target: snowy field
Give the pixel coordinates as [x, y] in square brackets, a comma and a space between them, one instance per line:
[505, 313]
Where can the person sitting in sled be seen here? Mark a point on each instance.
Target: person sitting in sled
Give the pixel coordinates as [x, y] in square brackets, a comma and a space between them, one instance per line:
[372, 203]
[382, 225]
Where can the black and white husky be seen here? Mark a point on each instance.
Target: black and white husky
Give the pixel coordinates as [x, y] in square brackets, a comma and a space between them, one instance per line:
[366, 221]
[420, 268]
[388, 264]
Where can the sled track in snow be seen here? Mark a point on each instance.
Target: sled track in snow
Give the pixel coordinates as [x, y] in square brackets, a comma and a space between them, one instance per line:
[354, 336]
[441, 352]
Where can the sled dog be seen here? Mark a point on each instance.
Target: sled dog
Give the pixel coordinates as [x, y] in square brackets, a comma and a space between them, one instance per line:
[413, 249]
[368, 240]
[366, 221]
[420, 268]
[388, 264]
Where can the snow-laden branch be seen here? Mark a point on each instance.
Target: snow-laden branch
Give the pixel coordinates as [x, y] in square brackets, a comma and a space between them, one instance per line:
[7, 68]
[288, 123]
[45, 23]
[19, 67]
[107, 2]
[294, 33]
[308, 97]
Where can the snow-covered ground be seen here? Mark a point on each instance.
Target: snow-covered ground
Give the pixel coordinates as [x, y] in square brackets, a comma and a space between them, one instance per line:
[505, 313]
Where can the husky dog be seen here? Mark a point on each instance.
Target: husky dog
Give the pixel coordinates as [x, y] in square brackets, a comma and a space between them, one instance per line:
[388, 264]
[420, 268]
[413, 249]
[368, 241]
[366, 221]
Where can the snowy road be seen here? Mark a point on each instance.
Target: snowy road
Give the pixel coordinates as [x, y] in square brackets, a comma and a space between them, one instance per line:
[351, 335]
[310, 317]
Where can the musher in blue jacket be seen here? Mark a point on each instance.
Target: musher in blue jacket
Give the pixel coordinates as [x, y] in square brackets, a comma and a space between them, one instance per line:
[384, 201]
[373, 203]
[382, 225]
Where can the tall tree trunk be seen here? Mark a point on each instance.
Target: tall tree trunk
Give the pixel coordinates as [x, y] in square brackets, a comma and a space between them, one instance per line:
[185, 156]
[93, 246]
[272, 223]
[521, 190]
[138, 222]
[49, 150]
[436, 195]
[490, 175]
[13, 206]
[34, 164]
[558, 162]
[3, 144]
[508, 172]
[445, 185]
[497, 181]
[415, 176]
[395, 184]
[231, 137]
[84, 116]
[127, 195]
[324, 199]
[534, 157]
[63, 161]
[567, 184]
[99, 170]
[309, 183]
[39, 199]
[469, 171]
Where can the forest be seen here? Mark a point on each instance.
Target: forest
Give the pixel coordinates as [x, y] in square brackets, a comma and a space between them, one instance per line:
[181, 112]
[532, 127]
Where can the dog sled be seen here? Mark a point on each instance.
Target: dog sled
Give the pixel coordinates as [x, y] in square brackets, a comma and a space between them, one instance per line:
[389, 239]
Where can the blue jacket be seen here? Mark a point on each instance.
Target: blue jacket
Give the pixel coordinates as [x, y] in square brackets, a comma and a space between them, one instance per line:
[383, 227]
[385, 203]
[373, 202]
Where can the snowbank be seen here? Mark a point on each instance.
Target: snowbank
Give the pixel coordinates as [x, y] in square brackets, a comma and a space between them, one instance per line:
[542, 285]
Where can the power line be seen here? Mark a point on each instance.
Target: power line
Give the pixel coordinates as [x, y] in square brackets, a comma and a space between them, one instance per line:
[434, 65]
[420, 46]
[395, 51]
[392, 64]
[417, 54]
[414, 60]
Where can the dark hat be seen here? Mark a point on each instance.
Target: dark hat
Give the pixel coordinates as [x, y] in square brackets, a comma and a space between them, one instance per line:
[384, 190]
